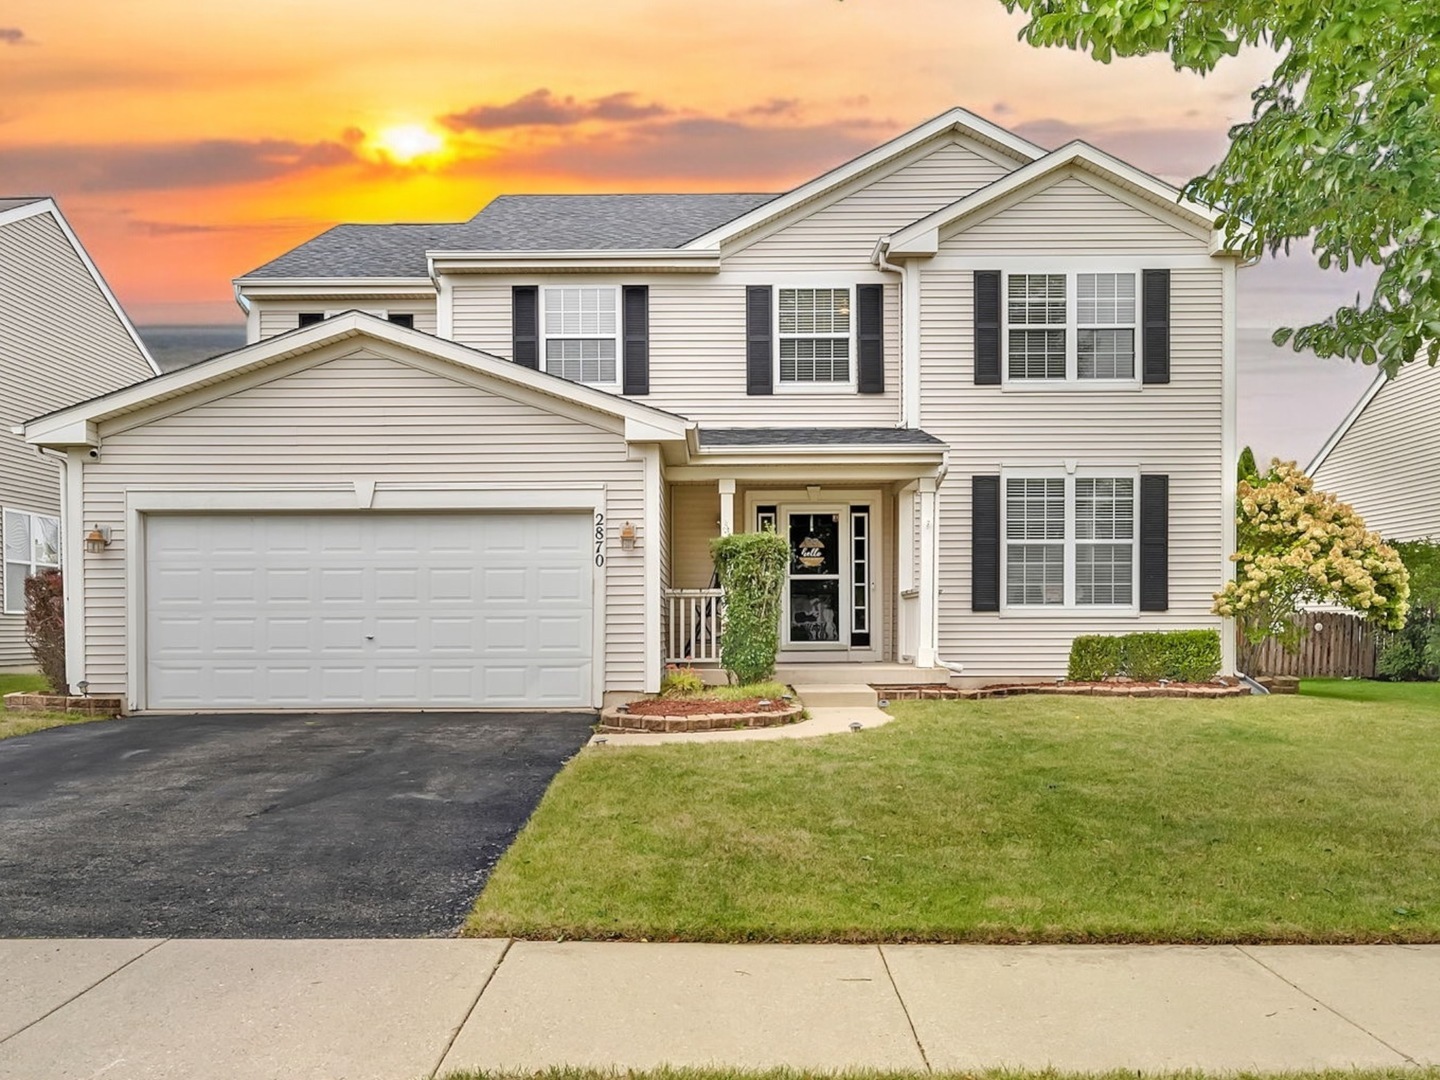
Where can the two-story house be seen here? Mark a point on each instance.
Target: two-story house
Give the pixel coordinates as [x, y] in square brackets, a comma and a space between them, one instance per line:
[986, 391]
[63, 338]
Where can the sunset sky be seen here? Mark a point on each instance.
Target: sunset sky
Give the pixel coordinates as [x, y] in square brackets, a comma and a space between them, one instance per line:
[190, 141]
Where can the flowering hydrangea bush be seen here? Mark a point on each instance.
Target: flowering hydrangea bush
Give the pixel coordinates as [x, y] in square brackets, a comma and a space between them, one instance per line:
[1297, 546]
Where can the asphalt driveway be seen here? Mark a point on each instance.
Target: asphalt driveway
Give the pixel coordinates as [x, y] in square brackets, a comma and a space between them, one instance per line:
[318, 825]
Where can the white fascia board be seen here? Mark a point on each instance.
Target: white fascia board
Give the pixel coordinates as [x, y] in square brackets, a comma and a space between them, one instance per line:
[1345, 425]
[48, 206]
[640, 431]
[959, 120]
[496, 262]
[54, 428]
[922, 237]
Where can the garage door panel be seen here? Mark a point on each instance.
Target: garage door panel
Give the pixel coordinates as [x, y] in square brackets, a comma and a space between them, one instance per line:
[356, 609]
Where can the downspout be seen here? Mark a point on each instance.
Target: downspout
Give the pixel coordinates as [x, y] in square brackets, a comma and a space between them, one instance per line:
[880, 256]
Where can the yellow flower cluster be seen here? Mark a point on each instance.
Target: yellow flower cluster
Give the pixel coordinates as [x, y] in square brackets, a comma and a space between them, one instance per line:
[1297, 546]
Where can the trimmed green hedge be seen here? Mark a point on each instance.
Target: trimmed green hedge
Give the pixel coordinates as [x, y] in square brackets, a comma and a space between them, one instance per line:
[1178, 655]
[751, 568]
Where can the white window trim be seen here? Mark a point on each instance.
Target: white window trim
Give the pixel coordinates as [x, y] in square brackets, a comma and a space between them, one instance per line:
[848, 386]
[1069, 606]
[1072, 381]
[543, 337]
[7, 608]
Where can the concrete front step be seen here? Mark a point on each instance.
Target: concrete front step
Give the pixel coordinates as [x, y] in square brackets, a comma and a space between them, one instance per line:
[836, 695]
[877, 674]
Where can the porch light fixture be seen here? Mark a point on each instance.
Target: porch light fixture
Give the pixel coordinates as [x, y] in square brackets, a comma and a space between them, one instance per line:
[97, 539]
[627, 536]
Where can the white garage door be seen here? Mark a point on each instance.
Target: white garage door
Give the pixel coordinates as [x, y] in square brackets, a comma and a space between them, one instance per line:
[368, 610]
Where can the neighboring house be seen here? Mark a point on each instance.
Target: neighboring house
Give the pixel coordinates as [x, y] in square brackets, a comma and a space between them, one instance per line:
[1384, 458]
[63, 338]
[985, 390]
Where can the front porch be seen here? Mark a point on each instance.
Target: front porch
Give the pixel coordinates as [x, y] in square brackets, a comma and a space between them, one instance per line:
[859, 599]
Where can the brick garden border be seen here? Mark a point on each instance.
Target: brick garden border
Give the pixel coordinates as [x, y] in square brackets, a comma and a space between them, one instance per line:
[613, 721]
[52, 703]
[1110, 690]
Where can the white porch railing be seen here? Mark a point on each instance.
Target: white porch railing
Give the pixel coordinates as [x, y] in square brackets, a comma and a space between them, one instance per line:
[693, 635]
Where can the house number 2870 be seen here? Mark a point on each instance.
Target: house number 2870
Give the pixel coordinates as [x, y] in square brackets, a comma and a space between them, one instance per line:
[599, 538]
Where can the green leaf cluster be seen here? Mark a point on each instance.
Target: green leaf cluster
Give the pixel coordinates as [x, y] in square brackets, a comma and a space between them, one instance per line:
[1341, 151]
[751, 568]
[1177, 655]
[1414, 652]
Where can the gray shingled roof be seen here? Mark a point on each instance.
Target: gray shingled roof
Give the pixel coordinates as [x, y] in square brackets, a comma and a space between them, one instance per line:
[816, 436]
[513, 223]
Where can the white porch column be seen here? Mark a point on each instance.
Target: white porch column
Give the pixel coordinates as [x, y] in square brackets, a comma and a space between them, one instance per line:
[727, 507]
[929, 577]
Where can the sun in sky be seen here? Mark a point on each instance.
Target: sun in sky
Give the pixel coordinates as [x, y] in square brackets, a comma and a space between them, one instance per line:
[405, 143]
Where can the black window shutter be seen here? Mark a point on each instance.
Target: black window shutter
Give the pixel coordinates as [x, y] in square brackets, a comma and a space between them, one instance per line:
[758, 342]
[525, 325]
[985, 543]
[1155, 342]
[1154, 542]
[987, 329]
[870, 327]
[637, 339]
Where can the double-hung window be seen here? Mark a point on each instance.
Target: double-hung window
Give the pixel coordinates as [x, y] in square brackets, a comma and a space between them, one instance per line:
[814, 337]
[581, 330]
[1073, 327]
[31, 544]
[1070, 540]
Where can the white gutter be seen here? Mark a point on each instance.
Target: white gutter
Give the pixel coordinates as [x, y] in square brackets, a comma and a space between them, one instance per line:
[909, 333]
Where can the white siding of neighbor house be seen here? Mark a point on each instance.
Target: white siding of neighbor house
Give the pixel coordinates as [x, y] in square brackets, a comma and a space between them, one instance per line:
[1176, 429]
[842, 235]
[366, 416]
[280, 316]
[1072, 216]
[60, 342]
[697, 352]
[1387, 465]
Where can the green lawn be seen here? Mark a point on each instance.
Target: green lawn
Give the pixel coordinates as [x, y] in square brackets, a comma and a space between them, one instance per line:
[1309, 818]
[23, 723]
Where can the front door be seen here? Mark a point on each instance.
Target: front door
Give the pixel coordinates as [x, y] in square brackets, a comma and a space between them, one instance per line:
[816, 612]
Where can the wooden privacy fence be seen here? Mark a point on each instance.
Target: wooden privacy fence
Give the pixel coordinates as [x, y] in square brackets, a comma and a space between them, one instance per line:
[1338, 645]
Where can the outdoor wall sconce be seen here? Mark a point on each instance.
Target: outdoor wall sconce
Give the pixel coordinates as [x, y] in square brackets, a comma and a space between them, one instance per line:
[97, 539]
[627, 536]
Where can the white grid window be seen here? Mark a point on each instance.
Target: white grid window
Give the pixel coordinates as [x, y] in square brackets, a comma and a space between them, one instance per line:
[31, 544]
[1035, 541]
[1105, 321]
[1035, 302]
[582, 333]
[1070, 541]
[813, 331]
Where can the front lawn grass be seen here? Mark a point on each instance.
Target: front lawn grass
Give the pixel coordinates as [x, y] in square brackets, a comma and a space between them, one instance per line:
[1284, 819]
[23, 723]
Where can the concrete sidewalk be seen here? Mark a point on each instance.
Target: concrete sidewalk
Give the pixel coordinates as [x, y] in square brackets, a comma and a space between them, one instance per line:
[404, 1009]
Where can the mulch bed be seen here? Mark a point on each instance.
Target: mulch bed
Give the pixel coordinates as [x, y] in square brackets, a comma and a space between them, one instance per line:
[688, 706]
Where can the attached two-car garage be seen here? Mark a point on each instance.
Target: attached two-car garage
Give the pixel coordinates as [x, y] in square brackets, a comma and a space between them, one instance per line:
[368, 610]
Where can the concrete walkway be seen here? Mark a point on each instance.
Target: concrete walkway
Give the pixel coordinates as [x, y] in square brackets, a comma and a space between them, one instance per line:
[404, 1009]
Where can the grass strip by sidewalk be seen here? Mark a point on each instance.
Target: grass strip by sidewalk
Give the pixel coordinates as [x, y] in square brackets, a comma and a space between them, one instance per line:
[1311, 818]
[577, 1073]
[24, 723]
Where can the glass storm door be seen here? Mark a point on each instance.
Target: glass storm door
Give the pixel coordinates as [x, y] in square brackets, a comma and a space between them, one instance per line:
[815, 593]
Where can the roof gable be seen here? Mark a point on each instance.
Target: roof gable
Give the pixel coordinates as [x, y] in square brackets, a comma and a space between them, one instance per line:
[214, 378]
[922, 237]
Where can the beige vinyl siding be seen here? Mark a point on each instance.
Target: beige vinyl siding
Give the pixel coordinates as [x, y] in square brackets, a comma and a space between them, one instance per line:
[361, 416]
[694, 522]
[1175, 429]
[1072, 216]
[697, 354]
[842, 235]
[1387, 465]
[280, 316]
[60, 342]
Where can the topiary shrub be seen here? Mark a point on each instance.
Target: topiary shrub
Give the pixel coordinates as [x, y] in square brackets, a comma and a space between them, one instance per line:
[1094, 658]
[751, 568]
[1177, 655]
[45, 625]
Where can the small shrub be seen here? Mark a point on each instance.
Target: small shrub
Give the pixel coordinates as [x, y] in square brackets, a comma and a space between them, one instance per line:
[1094, 657]
[751, 568]
[1177, 655]
[679, 681]
[1400, 660]
[45, 626]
